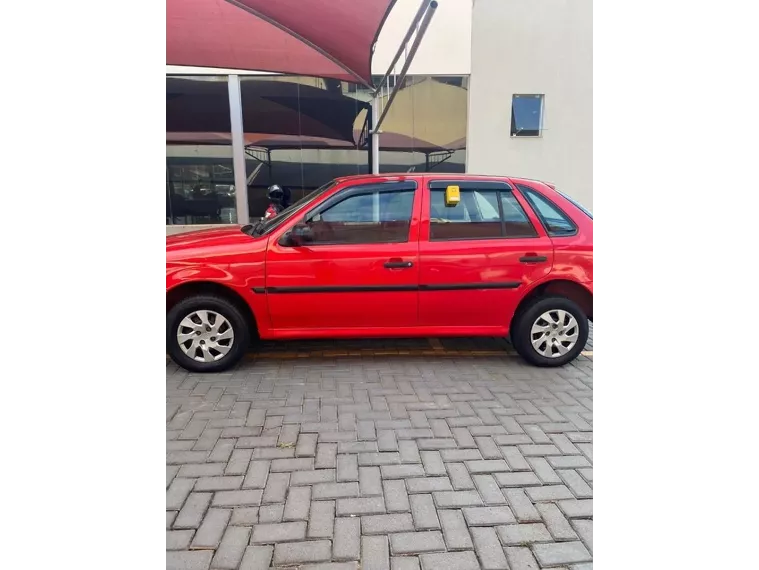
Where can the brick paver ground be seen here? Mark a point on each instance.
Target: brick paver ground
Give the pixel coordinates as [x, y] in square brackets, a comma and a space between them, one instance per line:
[386, 462]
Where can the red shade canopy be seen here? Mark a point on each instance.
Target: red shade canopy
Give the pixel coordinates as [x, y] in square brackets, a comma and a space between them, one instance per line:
[333, 38]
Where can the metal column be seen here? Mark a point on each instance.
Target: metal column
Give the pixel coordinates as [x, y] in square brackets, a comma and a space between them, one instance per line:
[238, 150]
[374, 141]
[422, 19]
[424, 24]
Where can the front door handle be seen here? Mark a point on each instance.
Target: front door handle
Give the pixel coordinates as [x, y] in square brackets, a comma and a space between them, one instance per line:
[533, 259]
[399, 264]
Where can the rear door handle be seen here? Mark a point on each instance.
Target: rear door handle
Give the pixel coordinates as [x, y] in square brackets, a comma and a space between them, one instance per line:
[399, 264]
[533, 259]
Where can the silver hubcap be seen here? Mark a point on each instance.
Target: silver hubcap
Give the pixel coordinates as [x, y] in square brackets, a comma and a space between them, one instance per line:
[205, 336]
[554, 333]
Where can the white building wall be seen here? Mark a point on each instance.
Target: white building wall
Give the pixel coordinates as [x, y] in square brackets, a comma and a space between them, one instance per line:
[533, 47]
[446, 48]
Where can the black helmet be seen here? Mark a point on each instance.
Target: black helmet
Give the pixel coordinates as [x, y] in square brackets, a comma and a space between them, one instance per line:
[276, 194]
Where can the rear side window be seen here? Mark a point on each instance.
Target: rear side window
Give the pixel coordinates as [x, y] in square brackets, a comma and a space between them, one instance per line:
[482, 213]
[556, 222]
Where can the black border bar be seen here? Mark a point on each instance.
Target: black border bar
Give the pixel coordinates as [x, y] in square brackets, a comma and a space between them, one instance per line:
[386, 288]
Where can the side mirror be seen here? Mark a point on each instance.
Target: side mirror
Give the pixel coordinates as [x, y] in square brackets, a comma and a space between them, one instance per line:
[301, 234]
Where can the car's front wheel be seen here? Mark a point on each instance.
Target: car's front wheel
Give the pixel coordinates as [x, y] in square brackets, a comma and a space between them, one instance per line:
[551, 331]
[205, 333]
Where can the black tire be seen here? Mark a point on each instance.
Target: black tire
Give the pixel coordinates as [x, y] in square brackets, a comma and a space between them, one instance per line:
[220, 305]
[522, 327]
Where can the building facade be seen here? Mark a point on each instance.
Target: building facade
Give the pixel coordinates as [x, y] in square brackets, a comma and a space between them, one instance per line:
[497, 87]
[532, 60]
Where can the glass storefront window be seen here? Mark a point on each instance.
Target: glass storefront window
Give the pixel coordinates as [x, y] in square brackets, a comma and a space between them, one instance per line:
[300, 132]
[425, 128]
[199, 173]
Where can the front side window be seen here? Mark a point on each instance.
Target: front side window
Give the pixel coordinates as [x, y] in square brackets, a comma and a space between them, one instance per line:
[372, 215]
[556, 222]
[481, 214]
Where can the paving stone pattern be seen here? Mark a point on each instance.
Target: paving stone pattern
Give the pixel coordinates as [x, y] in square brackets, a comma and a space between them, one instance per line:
[380, 462]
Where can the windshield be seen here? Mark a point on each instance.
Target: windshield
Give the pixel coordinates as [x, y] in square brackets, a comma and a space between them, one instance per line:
[576, 203]
[264, 227]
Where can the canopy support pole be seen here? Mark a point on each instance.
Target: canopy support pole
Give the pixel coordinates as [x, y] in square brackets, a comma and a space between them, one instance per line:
[424, 15]
[374, 140]
[419, 13]
[238, 150]
[366, 138]
[412, 52]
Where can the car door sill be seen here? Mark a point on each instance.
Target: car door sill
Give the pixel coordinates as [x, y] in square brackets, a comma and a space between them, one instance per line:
[382, 332]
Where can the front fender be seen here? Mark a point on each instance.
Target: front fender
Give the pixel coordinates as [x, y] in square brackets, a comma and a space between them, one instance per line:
[240, 282]
[181, 273]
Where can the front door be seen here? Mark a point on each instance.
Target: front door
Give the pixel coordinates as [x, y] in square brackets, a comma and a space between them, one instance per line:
[477, 256]
[360, 271]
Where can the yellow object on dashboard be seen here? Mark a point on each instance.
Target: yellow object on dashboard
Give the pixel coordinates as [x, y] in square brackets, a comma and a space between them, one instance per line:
[452, 195]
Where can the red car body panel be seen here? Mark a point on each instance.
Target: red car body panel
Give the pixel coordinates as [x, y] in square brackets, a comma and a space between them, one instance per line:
[344, 265]
[482, 261]
[335, 291]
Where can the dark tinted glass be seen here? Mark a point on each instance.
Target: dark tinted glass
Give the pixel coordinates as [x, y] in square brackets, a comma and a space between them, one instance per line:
[300, 132]
[526, 115]
[373, 217]
[200, 182]
[477, 216]
[516, 223]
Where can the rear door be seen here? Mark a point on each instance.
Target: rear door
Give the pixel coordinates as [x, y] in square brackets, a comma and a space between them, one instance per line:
[477, 257]
[361, 271]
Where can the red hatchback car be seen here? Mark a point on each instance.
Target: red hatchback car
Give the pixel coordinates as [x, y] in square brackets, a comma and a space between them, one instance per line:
[410, 255]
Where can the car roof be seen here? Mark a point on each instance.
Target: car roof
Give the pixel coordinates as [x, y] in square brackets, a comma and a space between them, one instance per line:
[434, 176]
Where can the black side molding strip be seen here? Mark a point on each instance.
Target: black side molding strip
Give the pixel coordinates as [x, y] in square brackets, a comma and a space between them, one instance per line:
[385, 288]
[341, 289]
[470, 286]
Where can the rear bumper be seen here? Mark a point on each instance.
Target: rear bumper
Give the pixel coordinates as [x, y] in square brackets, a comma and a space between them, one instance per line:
[596, 267]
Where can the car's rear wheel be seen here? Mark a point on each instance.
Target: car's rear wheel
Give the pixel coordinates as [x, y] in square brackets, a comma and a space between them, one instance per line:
[551, 331]
[205, 333]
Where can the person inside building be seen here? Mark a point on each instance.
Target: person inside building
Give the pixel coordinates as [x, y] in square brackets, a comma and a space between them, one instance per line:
[279, 199]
